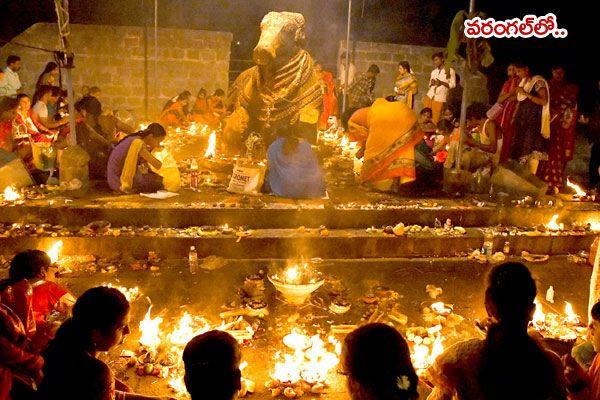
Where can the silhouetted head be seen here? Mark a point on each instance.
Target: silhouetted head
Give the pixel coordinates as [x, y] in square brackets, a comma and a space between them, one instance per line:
[376, 359]
[212, 366]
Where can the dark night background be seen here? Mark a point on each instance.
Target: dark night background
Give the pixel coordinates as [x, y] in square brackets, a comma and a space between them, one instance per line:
[419, 22]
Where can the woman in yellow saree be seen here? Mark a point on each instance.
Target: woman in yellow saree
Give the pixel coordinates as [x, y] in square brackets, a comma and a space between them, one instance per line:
[406, 85]
[387, 131]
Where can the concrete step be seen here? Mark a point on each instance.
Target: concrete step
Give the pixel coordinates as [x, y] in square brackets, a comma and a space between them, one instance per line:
[289, 243]
[333, 217]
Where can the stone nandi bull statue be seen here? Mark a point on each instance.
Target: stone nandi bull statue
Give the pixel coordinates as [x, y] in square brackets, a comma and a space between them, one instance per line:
[283, 88]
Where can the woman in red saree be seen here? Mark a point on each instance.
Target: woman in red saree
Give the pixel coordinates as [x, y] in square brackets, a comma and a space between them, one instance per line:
[563, 111]
[16, 360]
[330, 102]
[387, 131]
[508, 99]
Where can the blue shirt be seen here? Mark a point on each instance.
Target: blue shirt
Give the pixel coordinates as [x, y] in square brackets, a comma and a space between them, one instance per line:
[296, 175]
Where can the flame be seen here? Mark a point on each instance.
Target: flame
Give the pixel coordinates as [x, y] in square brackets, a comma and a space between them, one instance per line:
[344, 141]
[150, 328]
[193, 129]
[185, 329]
[311, 360]
[579, 192]
[440, 308]
[292, 274]
[552, 225]
[424, 355]
[177, 384]
[571, 317]
[10, 194]
[595, 225]
[54, 251]
[539, 318]
[142, 127]
[131, 294]
[211, 150]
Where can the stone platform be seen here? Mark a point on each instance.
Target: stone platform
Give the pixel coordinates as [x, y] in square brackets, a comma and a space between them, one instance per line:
[273, 226]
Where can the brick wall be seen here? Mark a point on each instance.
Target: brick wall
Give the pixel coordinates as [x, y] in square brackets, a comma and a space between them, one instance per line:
[114, 58]
[388, 55]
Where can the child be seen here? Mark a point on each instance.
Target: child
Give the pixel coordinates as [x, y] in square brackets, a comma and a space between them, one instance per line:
[585, 385]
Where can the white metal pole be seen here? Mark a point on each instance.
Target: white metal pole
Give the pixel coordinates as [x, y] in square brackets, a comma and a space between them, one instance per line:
[62, 15]
[463, 104]
[156, 94]
[347, 60]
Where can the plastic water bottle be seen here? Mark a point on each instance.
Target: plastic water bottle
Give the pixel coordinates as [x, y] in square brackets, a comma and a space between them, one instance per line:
[488, 244]
[193, 260]
[194, 176]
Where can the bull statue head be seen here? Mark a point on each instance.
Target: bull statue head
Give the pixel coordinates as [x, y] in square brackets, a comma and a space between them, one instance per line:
[281, 36]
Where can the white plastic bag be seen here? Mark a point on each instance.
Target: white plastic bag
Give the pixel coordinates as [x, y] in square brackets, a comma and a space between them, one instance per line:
[247, 178]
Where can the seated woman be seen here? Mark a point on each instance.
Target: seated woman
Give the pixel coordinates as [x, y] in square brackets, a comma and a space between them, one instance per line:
[293, 170]
[72, 372]
[47, 295]
[388, 132]
[18, 363]
[200, 108]
[212, 366]
[17, 294]
[127, 169]
[508, 363]
[376, 359]
[484, 143]
[89, 136]
[35, 267]
[25, 124]
[175, 112]
[8, 112]
[406, 85]
[216, 109]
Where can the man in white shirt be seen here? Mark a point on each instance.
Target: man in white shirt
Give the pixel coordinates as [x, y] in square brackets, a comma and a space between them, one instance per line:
[39, 112]
[441, 81]
[10, 84]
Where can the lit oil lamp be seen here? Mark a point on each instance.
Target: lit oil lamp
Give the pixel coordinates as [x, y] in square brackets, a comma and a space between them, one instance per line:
[225, 229]
[131, 294]
[54, 251]
[440, 308]
[296, 283]
[10, 194]
[553, 225]
[304, 365]
[580, 194]
[211, 150]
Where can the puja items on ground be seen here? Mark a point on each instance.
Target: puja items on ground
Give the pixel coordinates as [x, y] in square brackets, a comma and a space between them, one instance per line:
[447, 229]
[304, 365]
[580, 194]
[381, 305]
[159, 351]
[297, 282]
[426, 345]
[131, 293]
[567, 326]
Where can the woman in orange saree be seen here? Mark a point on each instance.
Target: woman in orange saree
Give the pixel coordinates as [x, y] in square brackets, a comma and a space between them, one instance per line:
[330, 102]
[387, 131]
[200, 108]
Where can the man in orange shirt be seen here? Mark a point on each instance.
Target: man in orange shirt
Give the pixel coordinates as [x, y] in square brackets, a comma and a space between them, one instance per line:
[585, 385]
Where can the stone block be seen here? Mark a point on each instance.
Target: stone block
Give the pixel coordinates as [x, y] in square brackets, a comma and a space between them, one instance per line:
[192, 54]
